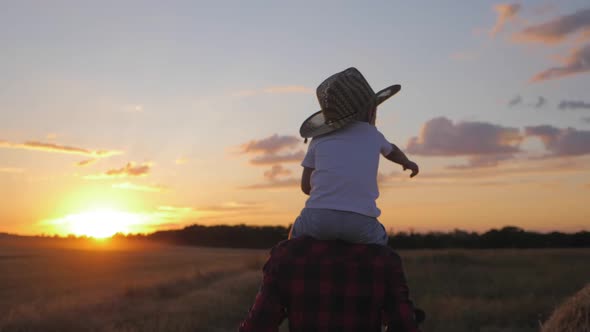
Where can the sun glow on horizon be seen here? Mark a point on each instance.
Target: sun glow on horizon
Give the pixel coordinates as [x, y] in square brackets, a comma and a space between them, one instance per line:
[100, 223]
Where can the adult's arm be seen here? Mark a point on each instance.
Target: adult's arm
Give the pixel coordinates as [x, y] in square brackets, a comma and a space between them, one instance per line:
[306, 180]
[398, 312]
[267, 313]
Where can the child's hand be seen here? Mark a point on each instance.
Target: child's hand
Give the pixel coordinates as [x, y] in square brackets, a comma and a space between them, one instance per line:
[412, 166]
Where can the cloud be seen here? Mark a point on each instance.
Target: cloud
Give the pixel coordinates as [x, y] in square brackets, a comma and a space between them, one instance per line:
[274, 90]
[231, 206]
[505, 13]
[576, 63]
[129, 170]
[557, 30]
[561, 142]
[573, 105]
[55, 148]
[11, 170]
[269, 151]
[515, 101]
[518, 100]
[586, 119]
[483, 161]
[269, 159]
[271, 144]
[275, 172]
[541, 101]
[441, 137]
[277, 184]
[146, 188]
[86, 162]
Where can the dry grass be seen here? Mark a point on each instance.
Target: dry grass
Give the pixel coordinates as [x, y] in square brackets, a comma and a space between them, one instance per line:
[154, 288]
[573, 315]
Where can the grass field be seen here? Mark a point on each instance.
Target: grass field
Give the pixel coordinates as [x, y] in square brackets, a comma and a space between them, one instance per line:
[159, 288]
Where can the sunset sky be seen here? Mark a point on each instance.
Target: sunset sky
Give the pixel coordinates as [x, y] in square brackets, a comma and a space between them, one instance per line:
[134, 116]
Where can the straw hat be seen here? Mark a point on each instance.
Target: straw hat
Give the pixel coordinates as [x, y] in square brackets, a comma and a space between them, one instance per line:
[344, 97]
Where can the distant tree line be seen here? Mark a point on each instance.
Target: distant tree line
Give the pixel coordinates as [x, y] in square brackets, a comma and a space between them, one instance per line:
[242, 236]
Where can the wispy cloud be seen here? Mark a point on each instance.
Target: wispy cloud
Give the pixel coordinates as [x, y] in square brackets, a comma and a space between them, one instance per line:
[274, 90]
[129, 170]
[271, 144]
[86, 162]
[270, 159]
[274, 151]
[276, 171]
[276, 184]
[505, 13]
[517, 100]
[561, 142]
[541, 101]
[136, 187]
[231, 206]
[518, 171]
[55, 148]
[556, 30]
[574, 105]
[576, 63]
[483, 161]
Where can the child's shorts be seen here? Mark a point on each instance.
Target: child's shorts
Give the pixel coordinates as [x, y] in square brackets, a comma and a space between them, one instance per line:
[325, 224]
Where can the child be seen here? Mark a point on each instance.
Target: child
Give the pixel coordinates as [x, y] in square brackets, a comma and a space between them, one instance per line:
[340, 167]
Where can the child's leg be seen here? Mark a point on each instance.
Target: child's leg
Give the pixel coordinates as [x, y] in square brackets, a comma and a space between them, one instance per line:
[325, 224]
[359, 228]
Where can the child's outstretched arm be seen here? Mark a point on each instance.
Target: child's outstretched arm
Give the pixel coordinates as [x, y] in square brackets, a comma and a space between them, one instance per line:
[397, 156]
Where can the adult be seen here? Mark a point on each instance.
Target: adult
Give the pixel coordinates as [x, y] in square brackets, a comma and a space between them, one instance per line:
[332, 286]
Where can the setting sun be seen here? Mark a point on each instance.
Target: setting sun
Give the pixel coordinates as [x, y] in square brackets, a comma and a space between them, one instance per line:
[100, 223]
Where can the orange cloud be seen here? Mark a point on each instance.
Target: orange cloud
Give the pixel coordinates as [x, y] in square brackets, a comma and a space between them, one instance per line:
[270, 159]
[276, 171]
[557, 30]
[271, 144]
[576, 63]
[505, 13]
[129, 170]
[146, 188]
[86, 162]
[276, 184]
[52, 147]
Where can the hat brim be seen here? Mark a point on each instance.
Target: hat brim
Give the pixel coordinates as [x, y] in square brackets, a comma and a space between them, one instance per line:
[315, 124]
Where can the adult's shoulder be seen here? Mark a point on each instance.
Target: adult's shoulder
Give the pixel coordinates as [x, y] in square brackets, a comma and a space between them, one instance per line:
[389, 255]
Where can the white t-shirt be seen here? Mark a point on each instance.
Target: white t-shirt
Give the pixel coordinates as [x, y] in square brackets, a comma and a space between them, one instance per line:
[345, 164]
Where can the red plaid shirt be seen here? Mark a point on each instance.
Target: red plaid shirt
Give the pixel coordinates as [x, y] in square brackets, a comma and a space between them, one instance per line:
[332, 286]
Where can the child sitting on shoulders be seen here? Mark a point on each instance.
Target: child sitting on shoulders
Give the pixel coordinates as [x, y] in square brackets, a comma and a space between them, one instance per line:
[340, 167]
